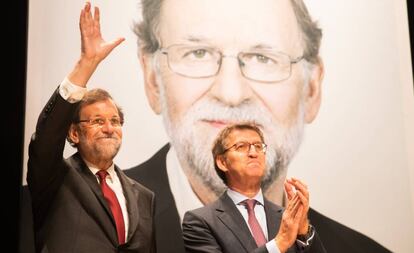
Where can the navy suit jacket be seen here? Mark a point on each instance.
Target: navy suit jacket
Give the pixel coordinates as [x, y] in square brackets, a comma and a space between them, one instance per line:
[220, 227]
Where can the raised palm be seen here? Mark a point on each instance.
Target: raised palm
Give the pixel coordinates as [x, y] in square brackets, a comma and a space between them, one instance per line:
[94, 47]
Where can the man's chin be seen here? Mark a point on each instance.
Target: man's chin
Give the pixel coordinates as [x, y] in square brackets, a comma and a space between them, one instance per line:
[108, 152]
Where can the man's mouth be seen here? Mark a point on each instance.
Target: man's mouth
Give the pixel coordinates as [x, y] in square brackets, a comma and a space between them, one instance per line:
[217, 123]
[107, 138]
[223, 123]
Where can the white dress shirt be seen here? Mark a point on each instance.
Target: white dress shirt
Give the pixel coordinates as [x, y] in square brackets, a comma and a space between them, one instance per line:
[113, 182]
[260, 214]
[184, 196]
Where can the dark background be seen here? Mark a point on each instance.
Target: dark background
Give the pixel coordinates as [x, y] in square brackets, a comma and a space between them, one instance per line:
[14, 96]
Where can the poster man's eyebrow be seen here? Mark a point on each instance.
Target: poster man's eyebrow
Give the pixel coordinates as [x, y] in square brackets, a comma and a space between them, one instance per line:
[197, 39]
[264, 46]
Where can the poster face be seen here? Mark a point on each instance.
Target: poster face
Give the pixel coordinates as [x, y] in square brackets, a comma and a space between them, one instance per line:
[355, 156]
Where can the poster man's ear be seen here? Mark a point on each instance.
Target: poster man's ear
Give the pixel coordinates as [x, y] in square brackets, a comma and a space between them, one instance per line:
[152, 89]
[313, 95]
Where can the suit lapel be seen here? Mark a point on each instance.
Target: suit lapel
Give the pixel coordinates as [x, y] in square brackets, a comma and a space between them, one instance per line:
[153, 175]
[228, 213]
[94, 210]
[131, 196]
[273, 218]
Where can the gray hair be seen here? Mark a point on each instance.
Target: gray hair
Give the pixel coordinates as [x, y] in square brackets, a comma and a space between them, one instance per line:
[147, 29]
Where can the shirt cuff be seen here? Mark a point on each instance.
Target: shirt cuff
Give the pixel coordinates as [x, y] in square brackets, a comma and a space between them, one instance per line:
[272, 247]
[71, 92]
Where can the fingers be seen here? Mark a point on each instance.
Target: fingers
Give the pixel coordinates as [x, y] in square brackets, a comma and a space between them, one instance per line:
[89, 21]
[96, 21]
[289, 190]
[292, 202]
[303, 199]
[87, 6]
[88, 14]
[113, 44]
[298, 186]
[293, 206]
[97, 14]
[288, 229]
[85, 20]
[303, 195]
[298, 215]
[93, 46]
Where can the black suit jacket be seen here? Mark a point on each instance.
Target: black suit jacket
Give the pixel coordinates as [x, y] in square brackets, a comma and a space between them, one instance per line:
[69, 210]
[335, 237]
[220, 227]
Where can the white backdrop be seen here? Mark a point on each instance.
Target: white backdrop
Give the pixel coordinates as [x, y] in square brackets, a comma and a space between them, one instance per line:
[357, 157]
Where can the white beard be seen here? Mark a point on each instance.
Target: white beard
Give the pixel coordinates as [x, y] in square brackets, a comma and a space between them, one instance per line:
[194, 146]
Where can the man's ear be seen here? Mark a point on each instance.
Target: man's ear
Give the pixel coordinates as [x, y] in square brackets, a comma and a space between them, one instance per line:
[221, 163]
[313, 95]
[152, 89]
[73, 134]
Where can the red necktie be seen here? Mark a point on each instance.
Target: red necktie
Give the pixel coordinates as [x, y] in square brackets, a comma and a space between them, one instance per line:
[254, 225]
[113, 203]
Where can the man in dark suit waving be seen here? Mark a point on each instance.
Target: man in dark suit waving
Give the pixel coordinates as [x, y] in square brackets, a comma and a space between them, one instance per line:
[85, 203]
[242, 220]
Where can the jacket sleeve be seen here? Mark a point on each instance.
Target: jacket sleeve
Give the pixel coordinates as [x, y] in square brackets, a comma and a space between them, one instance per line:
[46, 166]
[197, 235]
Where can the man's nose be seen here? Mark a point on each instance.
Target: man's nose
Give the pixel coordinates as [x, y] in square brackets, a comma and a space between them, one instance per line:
[252, 151]
[107, 127]
[229, 86]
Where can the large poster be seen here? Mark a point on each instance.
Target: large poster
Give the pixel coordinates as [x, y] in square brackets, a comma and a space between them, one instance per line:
[356, 156]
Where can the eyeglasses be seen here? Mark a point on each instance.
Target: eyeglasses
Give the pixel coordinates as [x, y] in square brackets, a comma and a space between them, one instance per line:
[100, 122]
[202, 61]
[245, 147]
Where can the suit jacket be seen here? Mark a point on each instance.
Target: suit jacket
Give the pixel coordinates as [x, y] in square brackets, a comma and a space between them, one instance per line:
[335, 237]
[69, 210]
[152, 174]
[220, 227]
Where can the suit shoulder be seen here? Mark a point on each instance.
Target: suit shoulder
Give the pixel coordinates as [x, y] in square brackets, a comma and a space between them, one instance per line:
[273, 206]
[143, 189]
[339, 238]
[207, 210]
[150, 167]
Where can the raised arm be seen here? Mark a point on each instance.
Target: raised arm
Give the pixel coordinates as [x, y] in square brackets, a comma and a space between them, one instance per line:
[46, 166]
[93, 47]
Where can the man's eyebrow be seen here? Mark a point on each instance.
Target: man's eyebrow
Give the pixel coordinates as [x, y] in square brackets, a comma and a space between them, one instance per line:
[263, 46]
[204, 40]
[197, 39]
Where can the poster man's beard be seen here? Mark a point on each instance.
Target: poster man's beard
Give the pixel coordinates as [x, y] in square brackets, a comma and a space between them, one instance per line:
[193, 138]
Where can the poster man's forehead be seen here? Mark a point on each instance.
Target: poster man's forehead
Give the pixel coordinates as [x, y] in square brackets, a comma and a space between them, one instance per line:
[237, 24]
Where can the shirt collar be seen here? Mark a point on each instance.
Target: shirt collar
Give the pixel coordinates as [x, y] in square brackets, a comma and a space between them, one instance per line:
[110, 170]
[237, 197]
[184, 196]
